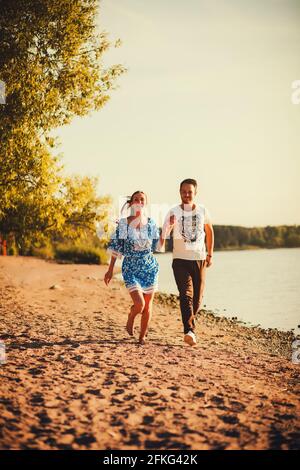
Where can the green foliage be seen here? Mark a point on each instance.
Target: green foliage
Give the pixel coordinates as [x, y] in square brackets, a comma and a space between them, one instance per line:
[51, 63]
[264, 237]
[81, 254]
[230, 237]
[12, 250]
[293, 240]
[44, 252]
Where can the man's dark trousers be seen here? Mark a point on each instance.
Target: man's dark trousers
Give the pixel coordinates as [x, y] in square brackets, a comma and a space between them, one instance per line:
[190, 279]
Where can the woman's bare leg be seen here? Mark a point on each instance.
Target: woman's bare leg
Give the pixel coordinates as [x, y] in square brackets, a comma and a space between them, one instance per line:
[146, 316]
[137, 307]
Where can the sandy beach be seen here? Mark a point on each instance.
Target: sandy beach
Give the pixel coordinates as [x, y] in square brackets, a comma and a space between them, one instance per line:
[74, 379]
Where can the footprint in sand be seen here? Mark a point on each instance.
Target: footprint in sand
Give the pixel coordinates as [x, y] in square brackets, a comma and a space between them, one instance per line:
[116, 422]
[148, 420]
[134, 440]
[285, 417]
[199, 394]
[36, 371]
[85, 439]
[145, 431]
[217, 400]
[229, 419]
[166, 435]
[230, 433]
[134, 379]
[119, 391]
[37, 399]
[129, 397]
[44, 418]
[160, 408]
[95, 392]
[149, 394]
[130, 408]
[237, 407]
[165, 444]
[116, 401]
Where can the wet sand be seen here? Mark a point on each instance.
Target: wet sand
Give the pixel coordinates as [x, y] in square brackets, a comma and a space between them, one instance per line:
[74, 379]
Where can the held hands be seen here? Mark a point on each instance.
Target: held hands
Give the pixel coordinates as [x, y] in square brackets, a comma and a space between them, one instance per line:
[169, 224]
[172, 221]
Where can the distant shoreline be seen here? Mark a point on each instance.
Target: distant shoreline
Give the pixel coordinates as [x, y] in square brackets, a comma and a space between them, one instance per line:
[249, 247]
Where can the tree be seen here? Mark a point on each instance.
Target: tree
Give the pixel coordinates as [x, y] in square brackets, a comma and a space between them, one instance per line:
[51, 64]
[69, 212]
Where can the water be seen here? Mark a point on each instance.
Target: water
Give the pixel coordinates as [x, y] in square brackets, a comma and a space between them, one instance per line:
[256, 286]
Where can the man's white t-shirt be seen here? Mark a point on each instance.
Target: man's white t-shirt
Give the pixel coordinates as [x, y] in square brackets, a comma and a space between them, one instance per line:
[189, 233]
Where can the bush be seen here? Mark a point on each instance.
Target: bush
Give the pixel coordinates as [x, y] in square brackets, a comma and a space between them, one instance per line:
[293, 241]
[81, 254]
[44, 252]
[12, 250]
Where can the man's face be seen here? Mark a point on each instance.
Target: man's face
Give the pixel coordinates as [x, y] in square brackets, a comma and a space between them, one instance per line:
[187, 193]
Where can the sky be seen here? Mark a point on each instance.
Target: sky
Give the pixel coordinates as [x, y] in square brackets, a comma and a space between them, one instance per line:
[207, 95]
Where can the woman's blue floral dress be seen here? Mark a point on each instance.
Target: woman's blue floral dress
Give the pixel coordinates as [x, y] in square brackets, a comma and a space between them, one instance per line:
[140, 267]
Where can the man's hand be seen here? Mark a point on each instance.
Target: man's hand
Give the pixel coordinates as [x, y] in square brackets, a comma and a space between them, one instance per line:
[167, 228]
[172, 220]
[208, 261]
[108, 276]
[170, 224]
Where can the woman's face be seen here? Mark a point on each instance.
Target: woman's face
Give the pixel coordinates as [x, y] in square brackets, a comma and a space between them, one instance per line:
[139, 199]
[138, 202]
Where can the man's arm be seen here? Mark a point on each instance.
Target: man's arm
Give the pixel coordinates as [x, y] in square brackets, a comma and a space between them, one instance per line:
[210, 238]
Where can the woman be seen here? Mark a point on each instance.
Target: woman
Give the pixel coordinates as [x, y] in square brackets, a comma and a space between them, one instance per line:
[135, 238]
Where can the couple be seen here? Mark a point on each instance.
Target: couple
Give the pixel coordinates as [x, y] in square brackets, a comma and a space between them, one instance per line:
[137, 237]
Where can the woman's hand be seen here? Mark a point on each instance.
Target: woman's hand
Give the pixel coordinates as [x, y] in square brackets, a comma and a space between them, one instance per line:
[107, 277]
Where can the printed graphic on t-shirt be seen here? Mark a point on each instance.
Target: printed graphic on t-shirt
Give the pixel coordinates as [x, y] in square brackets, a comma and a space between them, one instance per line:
[190, 228]
[189, 233]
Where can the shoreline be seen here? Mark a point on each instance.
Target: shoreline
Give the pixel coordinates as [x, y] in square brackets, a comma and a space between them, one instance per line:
[279, 341]
[172, 300]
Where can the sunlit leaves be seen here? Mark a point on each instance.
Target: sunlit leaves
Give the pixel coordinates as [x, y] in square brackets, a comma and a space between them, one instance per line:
[51, 61]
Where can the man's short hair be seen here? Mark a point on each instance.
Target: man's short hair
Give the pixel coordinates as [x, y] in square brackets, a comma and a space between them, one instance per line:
[189, 181]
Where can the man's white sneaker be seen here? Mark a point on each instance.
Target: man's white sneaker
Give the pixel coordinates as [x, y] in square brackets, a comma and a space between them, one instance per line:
[190, 338]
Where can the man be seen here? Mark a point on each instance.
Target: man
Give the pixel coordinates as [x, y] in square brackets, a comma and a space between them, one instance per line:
[192, 230]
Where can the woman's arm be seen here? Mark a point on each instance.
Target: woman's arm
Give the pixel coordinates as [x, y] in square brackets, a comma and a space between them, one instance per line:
[166, 230]
[116, 248]
[110, 271]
